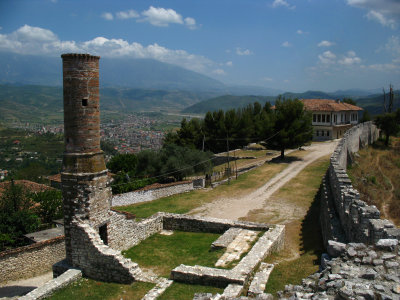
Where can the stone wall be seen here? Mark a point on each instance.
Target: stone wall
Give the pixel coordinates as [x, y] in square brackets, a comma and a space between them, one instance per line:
[144, 195]
[32, 260]
[351, 219]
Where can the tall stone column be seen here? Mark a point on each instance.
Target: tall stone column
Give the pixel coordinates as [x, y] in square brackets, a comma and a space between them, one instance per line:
[84, 175]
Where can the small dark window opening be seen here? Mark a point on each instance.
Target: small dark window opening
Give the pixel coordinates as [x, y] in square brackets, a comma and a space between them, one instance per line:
[327, 133]
[67, 140]
[84, 102]
[103, 234]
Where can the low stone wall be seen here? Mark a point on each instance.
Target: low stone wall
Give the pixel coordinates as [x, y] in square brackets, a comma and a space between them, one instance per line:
[146, 194]
[32, 260]
[212, 225]
[53, 285]
[124, 233]
[341, 203]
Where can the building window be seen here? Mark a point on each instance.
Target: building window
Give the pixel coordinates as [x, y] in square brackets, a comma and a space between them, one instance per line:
[327, 133]
[328, 118]
[317, 133]
[335, 119]
[314, 118]
[319, 118]
[323, 118]
[322, 132]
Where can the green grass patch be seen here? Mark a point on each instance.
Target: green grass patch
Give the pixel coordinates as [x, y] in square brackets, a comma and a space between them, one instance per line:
[184, 291]
[91, 289]
[184, 203]
[162, 253]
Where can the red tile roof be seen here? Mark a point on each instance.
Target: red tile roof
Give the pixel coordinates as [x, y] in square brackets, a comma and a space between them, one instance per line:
[29, 185]
[328, 105]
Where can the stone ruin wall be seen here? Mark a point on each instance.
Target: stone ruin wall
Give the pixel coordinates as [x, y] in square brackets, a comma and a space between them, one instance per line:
[344, 217]
[31, 260]
[145, 195]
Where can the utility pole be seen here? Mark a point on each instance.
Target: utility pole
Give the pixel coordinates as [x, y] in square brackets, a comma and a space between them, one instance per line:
[227, 151]
[391, 98]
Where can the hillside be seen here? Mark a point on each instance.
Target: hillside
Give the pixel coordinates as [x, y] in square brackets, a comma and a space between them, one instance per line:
[373, 103]
[115, 72]
[225, 103]
[34, 103]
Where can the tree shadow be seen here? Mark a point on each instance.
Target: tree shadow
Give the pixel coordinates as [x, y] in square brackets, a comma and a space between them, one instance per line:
[311, 234]
[15, 290]
[286, 160]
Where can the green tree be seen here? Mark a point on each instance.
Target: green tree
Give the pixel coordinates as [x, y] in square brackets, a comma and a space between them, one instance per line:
[349, 101]
[50, 205]
[122, 162]
[292, 125]
[17, 217]
[366, 116]
[389, 123]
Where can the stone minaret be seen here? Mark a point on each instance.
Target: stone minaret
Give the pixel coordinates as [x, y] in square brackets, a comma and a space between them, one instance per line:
[84, 175]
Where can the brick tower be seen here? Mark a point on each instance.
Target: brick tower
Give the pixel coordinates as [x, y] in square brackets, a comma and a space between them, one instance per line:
[84, 175]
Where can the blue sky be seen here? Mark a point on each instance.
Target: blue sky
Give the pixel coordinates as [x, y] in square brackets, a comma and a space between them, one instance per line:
[294, 45]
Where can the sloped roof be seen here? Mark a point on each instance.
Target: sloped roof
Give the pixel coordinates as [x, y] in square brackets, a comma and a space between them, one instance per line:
[328, 105]
[27, 184]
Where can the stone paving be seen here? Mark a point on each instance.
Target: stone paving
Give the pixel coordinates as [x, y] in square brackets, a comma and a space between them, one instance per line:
[237, 247]
[260, 279]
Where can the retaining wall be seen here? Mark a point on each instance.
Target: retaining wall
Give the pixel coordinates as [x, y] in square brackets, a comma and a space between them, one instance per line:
[344, 217]
[146, 194]
[31, 260]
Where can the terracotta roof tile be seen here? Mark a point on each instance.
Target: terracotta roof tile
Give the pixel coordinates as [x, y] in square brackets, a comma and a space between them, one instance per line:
[328, 105]
[29, 185]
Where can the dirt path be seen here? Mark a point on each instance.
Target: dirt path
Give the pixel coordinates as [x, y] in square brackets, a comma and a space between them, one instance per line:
[23, 286]
[235, 207]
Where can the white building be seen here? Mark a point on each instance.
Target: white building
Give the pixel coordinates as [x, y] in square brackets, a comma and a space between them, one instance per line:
[331, 118]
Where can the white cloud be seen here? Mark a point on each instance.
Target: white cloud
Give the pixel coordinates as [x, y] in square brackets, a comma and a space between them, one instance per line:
[39, 41]
[128, 14]
[245, 52]
[159, 16]
[393, 46]
[325, 44]
[301, 32]
[380, 18]
[269, 79]
[286, 44]
[350, 59]
[229, 63]
[107, 16]
[284, 3]
[385, 12]
[190, 23]
[327, 57]
[219, 72]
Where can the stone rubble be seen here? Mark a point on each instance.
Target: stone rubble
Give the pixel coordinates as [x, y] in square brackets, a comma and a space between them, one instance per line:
[260, 279]
[359, 272]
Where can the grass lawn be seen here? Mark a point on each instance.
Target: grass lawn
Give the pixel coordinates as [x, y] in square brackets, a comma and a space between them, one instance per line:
[162, 253]
[184, 291]
[375, 174]
[91, 289]
[303, 240]
[184, 203]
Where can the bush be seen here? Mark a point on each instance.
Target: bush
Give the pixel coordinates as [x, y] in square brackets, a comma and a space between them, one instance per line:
[50, 205]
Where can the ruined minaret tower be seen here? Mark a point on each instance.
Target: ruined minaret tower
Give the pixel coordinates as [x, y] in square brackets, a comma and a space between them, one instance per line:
[84, 175]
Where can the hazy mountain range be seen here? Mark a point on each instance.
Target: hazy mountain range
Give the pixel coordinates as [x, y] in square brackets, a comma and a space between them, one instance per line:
[30, 87]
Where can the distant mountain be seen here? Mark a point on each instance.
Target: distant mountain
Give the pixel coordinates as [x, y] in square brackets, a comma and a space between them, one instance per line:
[44, 103]
[372, 103]
[114, 72]
[308, 95]
[225, 103]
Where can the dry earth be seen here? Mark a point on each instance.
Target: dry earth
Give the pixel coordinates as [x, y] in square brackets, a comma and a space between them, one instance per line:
[238, 207]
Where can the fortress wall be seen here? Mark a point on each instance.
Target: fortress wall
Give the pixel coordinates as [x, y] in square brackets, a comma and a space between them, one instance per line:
[345, 217]
[151, 194]
[31, 260]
